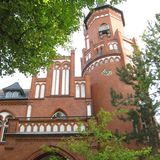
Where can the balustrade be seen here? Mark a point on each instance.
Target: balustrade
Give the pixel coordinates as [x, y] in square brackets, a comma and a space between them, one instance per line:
[47, 125]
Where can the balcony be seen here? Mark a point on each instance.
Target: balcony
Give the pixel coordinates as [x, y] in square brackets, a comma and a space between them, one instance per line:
[46, 125]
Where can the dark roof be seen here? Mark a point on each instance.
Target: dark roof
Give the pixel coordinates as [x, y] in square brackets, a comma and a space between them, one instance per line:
[103, 7]
[20, 97]
[1, 94]
[14, 87]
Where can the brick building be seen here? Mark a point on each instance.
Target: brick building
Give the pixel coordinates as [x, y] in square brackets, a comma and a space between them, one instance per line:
[49, 109]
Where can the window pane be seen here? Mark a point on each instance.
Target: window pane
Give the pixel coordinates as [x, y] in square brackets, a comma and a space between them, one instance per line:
[82, 90]
[15, 94]
[37, 91]
[8, 94]
[42, 91]
[59, 114]
[77, 90]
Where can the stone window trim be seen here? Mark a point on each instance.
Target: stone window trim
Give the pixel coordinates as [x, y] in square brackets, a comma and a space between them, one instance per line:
[103, 30]
[4, 126]
[59, 114]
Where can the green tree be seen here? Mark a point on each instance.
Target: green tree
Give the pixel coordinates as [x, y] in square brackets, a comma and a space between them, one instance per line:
[98, 143]
[143, 75]
[31, 31]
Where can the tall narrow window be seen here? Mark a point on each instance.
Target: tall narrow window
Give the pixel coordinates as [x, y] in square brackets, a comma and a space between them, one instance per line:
[29, 110]
[65, 80]
[42, 91]
[89, 110]
[88, 45]
[82, 90]
[37, 91]
[55, 81]
[77, 90]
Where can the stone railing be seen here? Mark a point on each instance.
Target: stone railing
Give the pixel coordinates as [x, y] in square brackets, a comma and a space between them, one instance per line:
[47, 125]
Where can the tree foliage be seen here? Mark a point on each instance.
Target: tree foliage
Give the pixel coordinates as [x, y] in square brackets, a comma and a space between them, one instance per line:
[31, 31]
[98, 143]
[143, 76]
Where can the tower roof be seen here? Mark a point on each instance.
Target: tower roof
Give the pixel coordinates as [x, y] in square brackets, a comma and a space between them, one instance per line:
[103, 7]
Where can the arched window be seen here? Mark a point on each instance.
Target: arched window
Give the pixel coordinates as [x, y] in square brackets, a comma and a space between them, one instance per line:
[5, 129]
[37, 91]
[0, 127]
[82, 90]
[15, 94]
[65, 79]
[55, 80]
[59, 114]
[104, 30]
[8, 94]
[113, 46]
[77, 90]
[42, 91]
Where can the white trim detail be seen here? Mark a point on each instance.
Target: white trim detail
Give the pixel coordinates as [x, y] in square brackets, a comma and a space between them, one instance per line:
[83, 90]
[29, 111]
[89, 110]
[65, 81]
[37, 91]
[77, 90]
[55, 82]
[101, 61]
[42, 91]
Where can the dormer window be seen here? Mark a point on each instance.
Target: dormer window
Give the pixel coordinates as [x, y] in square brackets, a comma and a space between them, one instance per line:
[14, 94]
[104, 30]
[8, 94]
[14, 91]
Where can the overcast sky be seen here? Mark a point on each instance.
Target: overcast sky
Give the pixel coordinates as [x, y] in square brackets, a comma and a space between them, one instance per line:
[136, 14]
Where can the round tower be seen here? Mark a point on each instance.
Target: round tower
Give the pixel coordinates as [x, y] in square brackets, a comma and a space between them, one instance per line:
[105, 50]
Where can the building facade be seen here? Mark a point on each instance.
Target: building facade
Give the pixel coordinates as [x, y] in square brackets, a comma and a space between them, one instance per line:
[49, 110]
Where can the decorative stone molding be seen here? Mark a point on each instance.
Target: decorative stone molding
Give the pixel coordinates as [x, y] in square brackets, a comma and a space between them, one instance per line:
[102, 61]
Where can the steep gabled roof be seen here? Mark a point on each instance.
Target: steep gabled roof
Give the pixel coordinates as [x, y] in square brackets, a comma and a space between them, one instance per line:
[14, 87]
